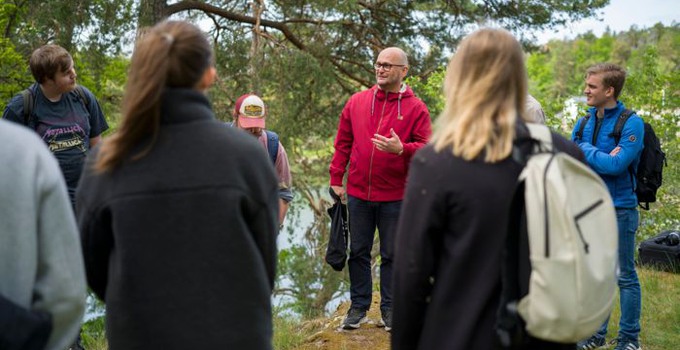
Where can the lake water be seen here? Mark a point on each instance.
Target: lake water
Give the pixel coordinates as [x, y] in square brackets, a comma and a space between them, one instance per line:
[300, 218]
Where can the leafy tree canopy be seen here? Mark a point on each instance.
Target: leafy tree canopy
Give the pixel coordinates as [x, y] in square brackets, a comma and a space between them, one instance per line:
[348, 34]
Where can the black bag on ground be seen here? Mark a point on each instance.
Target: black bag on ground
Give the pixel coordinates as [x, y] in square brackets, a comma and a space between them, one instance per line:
[23, 329]
[336, 253]
[662, 251]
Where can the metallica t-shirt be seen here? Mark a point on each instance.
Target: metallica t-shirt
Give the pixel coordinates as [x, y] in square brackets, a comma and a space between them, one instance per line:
[66, 126]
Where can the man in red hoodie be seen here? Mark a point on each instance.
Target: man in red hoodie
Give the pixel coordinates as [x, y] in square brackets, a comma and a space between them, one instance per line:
[379, 131]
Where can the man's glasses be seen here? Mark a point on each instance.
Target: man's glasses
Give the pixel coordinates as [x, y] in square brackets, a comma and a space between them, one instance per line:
[387, 66]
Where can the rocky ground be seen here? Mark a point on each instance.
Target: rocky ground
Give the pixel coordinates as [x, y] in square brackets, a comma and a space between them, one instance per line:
[371, 335]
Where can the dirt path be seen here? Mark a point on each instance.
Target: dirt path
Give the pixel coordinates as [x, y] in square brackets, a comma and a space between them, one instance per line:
[333, 337]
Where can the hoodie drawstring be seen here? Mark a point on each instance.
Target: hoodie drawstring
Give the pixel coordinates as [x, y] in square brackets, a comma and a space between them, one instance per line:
[401, 92]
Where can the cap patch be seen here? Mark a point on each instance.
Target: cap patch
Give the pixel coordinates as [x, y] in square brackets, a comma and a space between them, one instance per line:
[252, 107]
[253, 111]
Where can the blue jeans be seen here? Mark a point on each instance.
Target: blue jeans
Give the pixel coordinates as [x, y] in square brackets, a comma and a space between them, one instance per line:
[629, 285]
[364, 218]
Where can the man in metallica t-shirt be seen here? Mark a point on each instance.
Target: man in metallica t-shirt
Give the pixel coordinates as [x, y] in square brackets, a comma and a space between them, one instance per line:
[66, 116]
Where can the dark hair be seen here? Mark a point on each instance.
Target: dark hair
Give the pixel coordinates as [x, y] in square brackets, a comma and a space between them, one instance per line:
[47, 60]
[612, 75]
[172, 54]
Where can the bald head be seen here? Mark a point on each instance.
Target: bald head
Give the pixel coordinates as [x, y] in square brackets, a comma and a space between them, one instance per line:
[395, 53]
[391, 68]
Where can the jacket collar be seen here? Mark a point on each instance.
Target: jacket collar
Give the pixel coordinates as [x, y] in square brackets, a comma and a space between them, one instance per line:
[182, 105]
[609, 112]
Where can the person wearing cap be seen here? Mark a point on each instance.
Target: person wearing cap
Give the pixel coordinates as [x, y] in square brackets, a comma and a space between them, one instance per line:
[250, 114]
[379, 131]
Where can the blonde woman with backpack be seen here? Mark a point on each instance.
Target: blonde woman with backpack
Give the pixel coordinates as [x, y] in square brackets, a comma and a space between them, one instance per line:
[456, 212]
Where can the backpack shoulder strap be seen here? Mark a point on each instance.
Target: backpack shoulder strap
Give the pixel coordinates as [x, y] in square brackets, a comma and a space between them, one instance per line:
[27, 96]
[29, 101]
[81, 93]
[272, 145]
[616, 134]
[618, 127]
[582, 126]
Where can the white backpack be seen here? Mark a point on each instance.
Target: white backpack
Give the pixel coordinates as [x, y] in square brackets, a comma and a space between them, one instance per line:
[573, 245]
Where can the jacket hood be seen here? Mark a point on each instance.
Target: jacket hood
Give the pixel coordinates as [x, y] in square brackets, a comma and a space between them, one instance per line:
[380, 94]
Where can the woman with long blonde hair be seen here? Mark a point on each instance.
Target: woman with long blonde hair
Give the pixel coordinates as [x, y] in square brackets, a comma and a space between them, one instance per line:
[453, 223]
[177, 213]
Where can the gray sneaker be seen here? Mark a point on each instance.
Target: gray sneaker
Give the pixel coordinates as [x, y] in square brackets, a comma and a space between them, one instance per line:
[355, 317]
[593, 342]
[625, 344]
[387, 319]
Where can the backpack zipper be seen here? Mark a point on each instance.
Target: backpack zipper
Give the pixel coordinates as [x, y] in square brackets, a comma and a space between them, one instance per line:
[582, 214]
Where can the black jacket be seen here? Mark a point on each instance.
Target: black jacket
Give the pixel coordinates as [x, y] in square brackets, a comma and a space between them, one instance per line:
[449, 245]
[181, 244]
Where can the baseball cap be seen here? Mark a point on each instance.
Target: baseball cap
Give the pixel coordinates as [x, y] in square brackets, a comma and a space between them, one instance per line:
[251, 111]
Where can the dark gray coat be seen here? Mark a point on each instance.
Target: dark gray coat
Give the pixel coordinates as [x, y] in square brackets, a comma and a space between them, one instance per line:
[181, 244]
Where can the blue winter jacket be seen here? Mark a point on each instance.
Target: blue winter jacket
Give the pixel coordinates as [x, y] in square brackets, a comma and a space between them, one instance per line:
[616, 171]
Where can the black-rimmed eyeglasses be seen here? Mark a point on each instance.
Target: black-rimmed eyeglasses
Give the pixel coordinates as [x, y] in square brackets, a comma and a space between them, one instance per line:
[387, 66]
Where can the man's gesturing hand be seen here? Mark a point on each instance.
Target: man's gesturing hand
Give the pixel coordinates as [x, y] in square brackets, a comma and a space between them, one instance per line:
[388, 144]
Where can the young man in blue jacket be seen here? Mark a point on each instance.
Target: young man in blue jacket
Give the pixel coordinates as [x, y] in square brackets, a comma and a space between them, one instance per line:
[616, 163]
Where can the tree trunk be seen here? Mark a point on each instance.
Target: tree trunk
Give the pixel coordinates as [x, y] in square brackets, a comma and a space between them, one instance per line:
[150, 13]
[255, 60]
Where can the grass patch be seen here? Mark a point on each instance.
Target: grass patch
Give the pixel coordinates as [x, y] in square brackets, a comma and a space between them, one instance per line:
[93, 334]
[660, 329]
[289, 332]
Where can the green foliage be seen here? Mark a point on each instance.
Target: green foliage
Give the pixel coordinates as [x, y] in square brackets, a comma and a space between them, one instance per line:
[106, 24]
[646, 90]
[429, 89]
[106, 78]
[664, 213]
[14, 74]
[93, 334]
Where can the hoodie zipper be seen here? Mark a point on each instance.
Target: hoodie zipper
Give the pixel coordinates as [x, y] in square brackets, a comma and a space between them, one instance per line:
[370, 165]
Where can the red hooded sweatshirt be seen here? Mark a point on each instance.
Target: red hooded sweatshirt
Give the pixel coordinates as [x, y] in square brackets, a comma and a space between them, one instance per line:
[375, 175]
